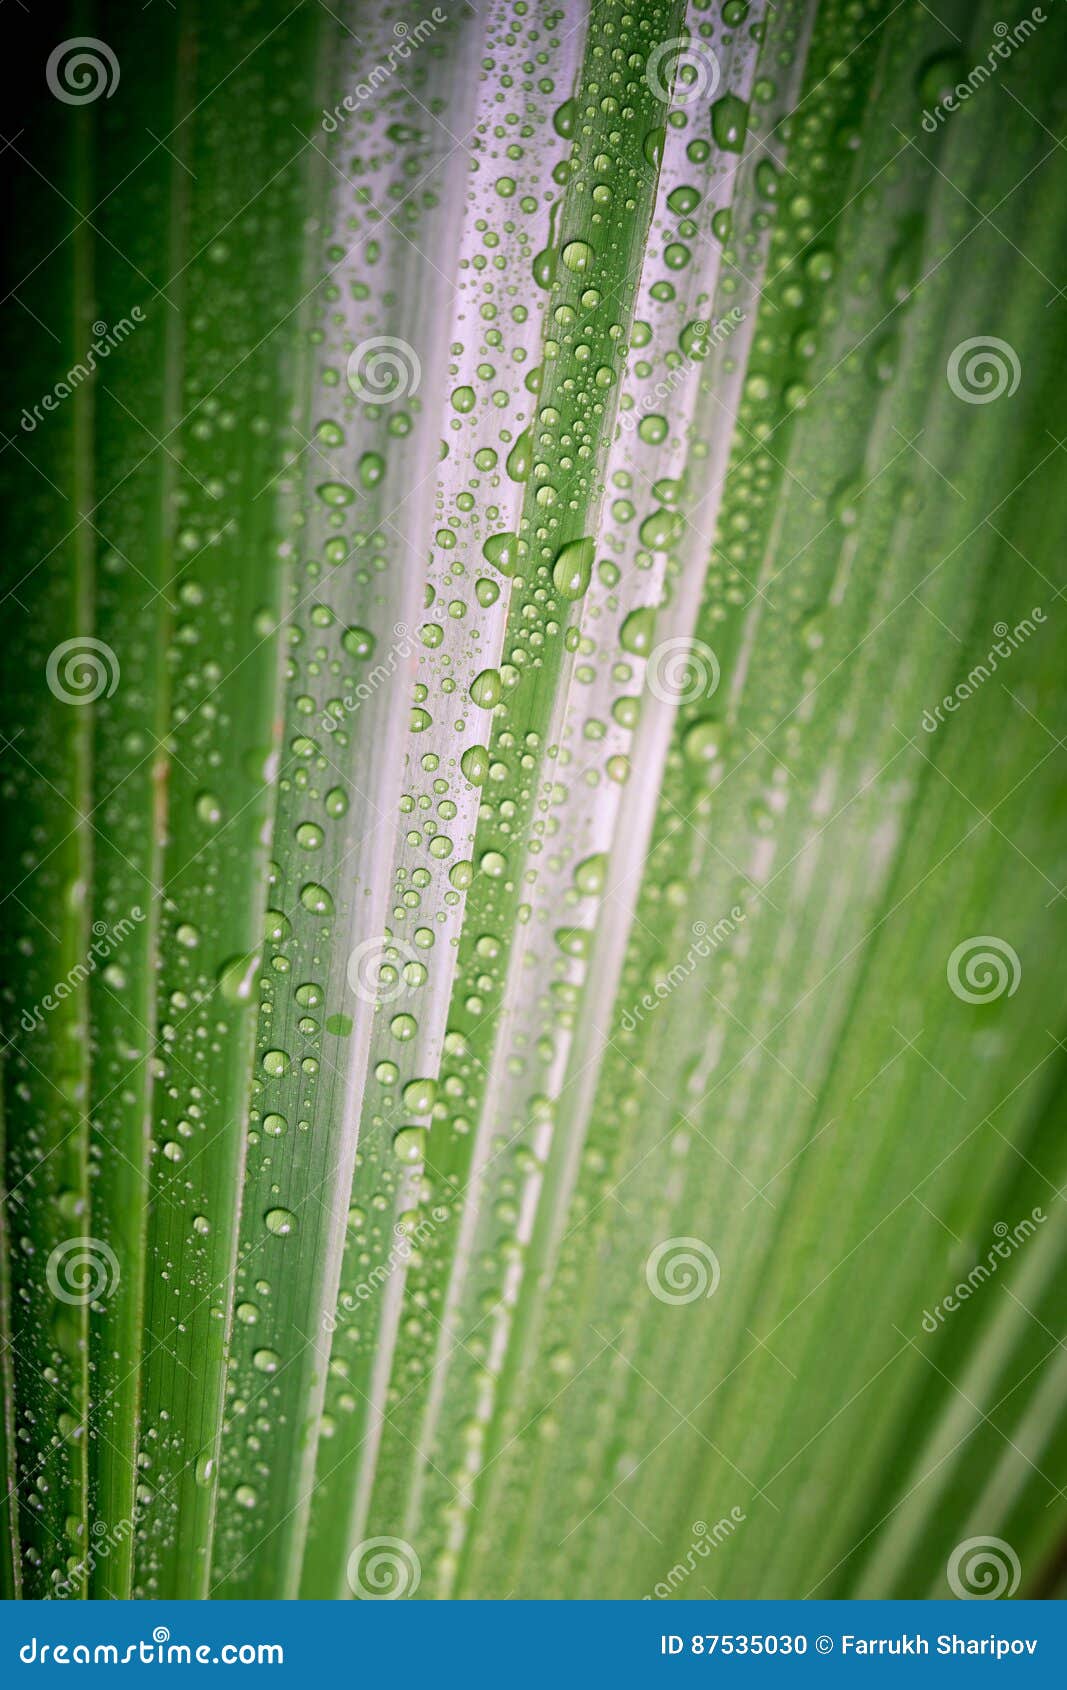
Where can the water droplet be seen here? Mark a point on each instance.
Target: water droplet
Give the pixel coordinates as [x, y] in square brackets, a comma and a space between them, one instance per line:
[236, 979]
[573, 568]
[281, 1222]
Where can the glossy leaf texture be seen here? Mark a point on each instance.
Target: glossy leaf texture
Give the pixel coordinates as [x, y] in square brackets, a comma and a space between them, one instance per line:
[534, 801]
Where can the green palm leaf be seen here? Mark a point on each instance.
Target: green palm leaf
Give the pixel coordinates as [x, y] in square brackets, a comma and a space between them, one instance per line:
[534, 799]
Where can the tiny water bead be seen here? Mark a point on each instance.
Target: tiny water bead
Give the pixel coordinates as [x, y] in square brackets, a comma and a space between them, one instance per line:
[729, 121]
[503, 551]
[702, 743]
[573, 568]
[590, 875]
[578, 256]
[358, 642]
[337, 494]
[280, 1222]
[520, 458]
[420, 1096]
[638, 630]
[475, 764]
[371, 469]
[236, 979]
[316, 899]
[486, 689]
[409, 1145]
